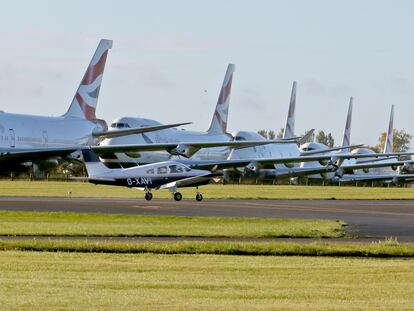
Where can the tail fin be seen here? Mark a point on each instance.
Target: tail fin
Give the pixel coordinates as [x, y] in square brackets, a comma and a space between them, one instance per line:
[219, 121]
[289, 131]
[86, 98]
[346, 140]
[94, 166]
[389, 140]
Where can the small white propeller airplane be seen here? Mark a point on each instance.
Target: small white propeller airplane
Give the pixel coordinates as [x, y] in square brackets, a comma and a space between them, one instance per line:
[163, 175]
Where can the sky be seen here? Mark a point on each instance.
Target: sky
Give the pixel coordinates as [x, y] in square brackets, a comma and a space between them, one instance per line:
[169, 58]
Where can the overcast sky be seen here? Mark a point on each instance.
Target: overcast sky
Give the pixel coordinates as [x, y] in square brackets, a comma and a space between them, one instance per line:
[169, 59]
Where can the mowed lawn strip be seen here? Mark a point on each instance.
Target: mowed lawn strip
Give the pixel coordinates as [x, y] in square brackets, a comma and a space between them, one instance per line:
[80, 189]
[78, 281]
[331, 249]
[82, 224]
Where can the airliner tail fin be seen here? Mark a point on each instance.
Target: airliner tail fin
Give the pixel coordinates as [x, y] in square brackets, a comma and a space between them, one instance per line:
[219, 121]
[86, 98]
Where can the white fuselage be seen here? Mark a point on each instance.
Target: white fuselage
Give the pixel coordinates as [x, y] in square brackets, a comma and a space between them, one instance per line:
[28, 131]
[162, 136]
[282, 150]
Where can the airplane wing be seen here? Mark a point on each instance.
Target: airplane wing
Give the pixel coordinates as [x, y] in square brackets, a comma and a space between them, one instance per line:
[373, 165]
[190, 181]
[373, 177]
[304, 153]
[137, 130]
[31, 154]
[223, 164]
[183, 145]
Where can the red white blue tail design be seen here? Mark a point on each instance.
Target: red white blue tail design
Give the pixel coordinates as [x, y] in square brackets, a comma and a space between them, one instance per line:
[219, 121]
[86, 98]
[346, 140]
[389, 140]
[289, 131]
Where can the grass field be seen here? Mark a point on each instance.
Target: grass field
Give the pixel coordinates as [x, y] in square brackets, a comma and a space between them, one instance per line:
[378, 249]
[78, 189]
[80, 224]
[78, 281]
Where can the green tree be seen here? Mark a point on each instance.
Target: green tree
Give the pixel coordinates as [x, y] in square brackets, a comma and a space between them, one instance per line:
[270, 134]
[401, 139]
[326, 139]
[263, 133]
[280, 133]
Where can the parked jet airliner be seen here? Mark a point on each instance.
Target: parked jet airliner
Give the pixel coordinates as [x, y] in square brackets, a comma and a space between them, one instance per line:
[29, 137]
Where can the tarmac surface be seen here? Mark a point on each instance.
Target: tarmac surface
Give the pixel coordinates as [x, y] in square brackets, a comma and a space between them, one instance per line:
[366, 219]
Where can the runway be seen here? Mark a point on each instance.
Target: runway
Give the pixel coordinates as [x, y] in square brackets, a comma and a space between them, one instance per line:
[367, 219]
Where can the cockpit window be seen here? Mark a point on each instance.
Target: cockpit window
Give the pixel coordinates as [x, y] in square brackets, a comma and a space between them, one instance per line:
[162, 170]
[120, 125]
[174, 169]
[151, 171]
[238, 138]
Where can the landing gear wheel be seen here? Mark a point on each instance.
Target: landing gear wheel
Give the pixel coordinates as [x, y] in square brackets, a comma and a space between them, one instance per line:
[178, 196]
[148, 196]
[199, 197]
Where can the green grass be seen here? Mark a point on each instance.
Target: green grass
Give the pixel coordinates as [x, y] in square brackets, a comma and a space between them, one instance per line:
[82, 224]
[78, 189]
[378, 249]
[78, 281]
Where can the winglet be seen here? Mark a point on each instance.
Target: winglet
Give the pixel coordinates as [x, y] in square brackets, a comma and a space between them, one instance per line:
[389, 140]
[289, 131]
[346, 140]
[86, 98]
[219, 121]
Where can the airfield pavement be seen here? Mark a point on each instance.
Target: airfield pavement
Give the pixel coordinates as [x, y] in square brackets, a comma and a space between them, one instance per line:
[367, 219]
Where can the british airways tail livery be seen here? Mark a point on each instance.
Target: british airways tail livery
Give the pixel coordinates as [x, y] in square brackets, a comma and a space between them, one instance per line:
[389, 140]
[346, 140]
[86, 98]
[219, 122]
[289, 131]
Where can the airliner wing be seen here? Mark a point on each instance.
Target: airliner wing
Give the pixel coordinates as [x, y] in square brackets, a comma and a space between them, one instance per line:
[372, 177]
[222, 164]
[138, 130]
[374, 165]
[172, 146]
[304, 153]
[190, 181]
[26, 154]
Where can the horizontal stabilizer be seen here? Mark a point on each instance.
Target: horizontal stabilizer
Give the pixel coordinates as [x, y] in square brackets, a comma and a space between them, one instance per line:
[308, 135]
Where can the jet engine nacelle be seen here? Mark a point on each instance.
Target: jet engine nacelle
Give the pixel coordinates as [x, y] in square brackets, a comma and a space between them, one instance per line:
[407, 168]
[365, 170]
[394, 167]
[253, 169]
[184, 150]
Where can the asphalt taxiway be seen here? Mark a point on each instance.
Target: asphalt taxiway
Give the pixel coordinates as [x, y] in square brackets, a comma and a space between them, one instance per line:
[373, 219]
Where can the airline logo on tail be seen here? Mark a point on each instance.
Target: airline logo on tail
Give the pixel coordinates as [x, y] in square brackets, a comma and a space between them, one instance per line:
[389, 142]
[219, 121]
[289, 131]
[346, 140]
[86, 98]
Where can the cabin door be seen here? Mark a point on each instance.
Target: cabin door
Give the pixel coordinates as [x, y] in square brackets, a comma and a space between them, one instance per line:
[12, 138]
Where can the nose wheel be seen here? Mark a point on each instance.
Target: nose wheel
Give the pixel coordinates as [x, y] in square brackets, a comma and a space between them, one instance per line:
[178, 196]
[148, 196]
